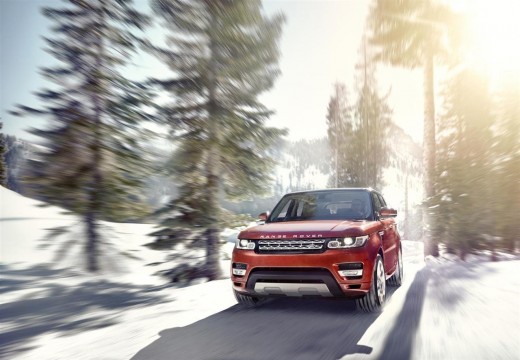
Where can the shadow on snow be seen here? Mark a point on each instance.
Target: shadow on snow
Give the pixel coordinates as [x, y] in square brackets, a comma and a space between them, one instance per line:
[282, 328]
[400, 339]
[50, 305]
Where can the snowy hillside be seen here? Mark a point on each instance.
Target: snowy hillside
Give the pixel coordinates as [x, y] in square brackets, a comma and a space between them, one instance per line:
[445, 309]
[302, 165]
[31, 234]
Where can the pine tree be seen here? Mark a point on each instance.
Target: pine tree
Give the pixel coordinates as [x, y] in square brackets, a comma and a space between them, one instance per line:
[91, 163]
[462, 210]
[506, 167]
[357, 134]
[224, 54]
[3, 169]
[412, 34]
[339, 133]
[372, 117]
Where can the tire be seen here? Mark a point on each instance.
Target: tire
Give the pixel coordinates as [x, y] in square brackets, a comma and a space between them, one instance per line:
[247, 300]
[375, 299]
[397, 278]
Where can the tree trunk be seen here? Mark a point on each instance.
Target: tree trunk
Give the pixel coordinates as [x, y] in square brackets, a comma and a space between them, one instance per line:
[212, 174]
[430, 243]
[94, 198]
[213, 269]
[92, 241]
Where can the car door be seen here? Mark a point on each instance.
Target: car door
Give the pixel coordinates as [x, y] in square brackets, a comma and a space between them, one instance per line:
[387, 234]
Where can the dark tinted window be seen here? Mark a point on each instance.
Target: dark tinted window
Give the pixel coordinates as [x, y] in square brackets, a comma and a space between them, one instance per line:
[381, 200]
[324, 205]
[377, 202]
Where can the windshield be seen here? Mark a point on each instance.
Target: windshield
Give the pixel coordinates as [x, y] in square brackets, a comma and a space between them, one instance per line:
[323, 205]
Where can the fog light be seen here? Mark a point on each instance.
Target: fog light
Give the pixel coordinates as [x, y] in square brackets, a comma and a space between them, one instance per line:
[239, 272]
[350, 269]
[349, 273]
[239, 269]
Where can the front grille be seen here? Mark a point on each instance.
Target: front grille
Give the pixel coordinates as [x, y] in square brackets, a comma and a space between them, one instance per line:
[303, 246]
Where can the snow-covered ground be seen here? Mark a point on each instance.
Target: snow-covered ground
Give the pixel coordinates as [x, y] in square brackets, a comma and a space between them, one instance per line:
[51, 309]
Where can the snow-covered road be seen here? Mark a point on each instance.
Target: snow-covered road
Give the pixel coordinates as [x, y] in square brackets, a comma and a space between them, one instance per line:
[444, 310]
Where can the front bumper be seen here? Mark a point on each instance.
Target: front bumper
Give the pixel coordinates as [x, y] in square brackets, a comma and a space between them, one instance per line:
[303, 274]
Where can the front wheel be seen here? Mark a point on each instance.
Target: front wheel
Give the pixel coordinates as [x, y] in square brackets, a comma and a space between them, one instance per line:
[397, 278]
[375, 299]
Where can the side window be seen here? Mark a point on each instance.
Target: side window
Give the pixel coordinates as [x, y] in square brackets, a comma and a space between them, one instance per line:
[307, 209]
[377, 203]
[283, 213]
[381, 200]
[299, 210]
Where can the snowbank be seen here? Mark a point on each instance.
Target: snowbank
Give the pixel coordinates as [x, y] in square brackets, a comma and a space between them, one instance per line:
[49, 236]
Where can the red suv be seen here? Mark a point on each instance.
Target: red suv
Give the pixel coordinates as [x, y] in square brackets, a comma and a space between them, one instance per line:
[328, 243]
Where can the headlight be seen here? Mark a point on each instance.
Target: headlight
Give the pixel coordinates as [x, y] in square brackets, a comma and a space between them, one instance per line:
[348, 242]
[245, 244]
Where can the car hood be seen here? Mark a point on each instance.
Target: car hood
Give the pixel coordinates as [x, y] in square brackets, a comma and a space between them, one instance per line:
[310, 229]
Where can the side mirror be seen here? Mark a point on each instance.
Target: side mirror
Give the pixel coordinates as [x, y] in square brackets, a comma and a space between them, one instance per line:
[387, 212]
[263, 216]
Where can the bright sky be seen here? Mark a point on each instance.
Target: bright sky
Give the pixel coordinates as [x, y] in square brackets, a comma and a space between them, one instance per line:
[320, 44]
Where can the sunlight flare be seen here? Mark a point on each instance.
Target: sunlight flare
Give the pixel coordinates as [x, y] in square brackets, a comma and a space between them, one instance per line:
[494, 34]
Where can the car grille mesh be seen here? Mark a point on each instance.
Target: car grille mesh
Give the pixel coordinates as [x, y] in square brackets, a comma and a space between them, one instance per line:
[306, 246]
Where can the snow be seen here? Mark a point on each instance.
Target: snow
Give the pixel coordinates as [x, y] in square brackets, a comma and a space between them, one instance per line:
[27, 238]
[451, 309]
[51, 309]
